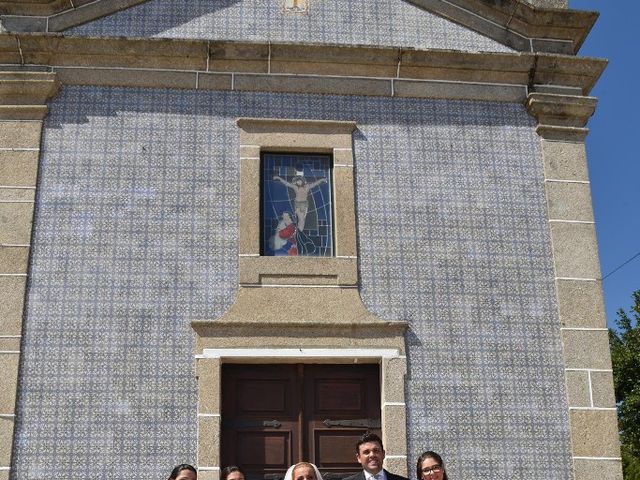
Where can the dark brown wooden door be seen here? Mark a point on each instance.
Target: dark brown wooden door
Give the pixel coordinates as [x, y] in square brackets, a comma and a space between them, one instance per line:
[260, 417]
[341, 403]
[277, 415]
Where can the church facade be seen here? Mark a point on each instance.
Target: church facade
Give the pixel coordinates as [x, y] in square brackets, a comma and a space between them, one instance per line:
[247, 231]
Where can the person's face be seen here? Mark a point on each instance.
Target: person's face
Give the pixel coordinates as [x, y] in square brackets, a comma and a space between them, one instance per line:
[431, 469]
[299, 182]
[286, 218]
[186, 475]
[235, 476]
[370, 456]
[304, 472]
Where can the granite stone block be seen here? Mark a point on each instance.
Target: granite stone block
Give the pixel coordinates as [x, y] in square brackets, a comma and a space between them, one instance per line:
[14, 259]
[13, 289]
[6, 440]
[20, 134]
[15, 222]
[585, 469]
[581, 304]
[569, 201]
[602, 390]
[18, 168]
[594, 433]
[9, 369]
[587, 349]
[565, 160]
[578, 394]
[575, 250]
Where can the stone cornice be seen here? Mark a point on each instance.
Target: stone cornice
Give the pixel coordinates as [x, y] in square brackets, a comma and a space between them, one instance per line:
[561, 117]
[260, 125]
[519, 24]
[37, 7]
[90, 9]
[561, 110]
[209, 328]
[319, 333]
[23, 94]
[515, 23]
[307, 67]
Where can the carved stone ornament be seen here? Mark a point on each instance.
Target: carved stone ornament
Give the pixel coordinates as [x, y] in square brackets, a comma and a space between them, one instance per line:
[296, 6]
[561, 117]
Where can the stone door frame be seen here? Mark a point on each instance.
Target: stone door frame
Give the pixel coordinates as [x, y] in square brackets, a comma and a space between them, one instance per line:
[392, 363]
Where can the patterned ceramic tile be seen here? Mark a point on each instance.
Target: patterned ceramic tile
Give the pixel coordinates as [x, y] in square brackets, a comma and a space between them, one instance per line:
[136, 234]
[352, 22]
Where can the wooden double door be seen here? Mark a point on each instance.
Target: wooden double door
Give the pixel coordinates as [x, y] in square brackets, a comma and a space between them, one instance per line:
[276, 415]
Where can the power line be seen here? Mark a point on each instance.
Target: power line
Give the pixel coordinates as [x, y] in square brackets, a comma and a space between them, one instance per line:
[621, 265]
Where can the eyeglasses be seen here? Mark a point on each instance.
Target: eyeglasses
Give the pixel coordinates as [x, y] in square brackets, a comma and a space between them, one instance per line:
[432, 470]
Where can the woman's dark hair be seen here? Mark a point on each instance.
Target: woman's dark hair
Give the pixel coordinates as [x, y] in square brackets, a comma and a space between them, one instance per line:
[436, 457]
[179, 468]
[226, 471]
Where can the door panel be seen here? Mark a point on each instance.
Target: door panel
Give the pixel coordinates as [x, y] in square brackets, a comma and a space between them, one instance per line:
[277, 415]
[333, 397]
[258, 449]
[260, 418]
[256, 396]
[341, 403]
[336, 449]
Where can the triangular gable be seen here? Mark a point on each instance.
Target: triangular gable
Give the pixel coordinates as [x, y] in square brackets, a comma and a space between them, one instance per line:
[350, 22]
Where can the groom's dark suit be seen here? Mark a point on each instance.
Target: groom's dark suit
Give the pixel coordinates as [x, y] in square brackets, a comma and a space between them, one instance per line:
[360, 476]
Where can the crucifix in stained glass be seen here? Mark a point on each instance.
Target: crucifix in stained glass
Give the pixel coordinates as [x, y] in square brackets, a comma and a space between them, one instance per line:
[297, 214]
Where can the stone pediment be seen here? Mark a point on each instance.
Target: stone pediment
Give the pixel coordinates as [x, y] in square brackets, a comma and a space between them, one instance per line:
[468, 25]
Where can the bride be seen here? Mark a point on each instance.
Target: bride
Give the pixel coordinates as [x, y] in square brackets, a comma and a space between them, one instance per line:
[303, 471]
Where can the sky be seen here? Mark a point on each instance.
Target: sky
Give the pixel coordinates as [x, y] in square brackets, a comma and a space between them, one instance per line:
[612, 146]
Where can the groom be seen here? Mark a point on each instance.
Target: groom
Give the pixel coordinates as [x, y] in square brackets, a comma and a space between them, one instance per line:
[370, 454]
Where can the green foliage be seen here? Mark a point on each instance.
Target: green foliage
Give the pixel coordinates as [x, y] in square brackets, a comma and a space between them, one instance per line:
[630, 465]
[625, 354]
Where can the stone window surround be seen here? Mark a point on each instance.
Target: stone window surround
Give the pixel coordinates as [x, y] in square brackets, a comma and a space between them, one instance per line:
[300, 136]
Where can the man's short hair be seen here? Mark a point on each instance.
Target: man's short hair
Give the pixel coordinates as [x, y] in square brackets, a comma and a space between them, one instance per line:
[368, 437]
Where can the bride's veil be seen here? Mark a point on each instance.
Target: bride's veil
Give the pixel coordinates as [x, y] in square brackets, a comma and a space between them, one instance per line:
[289, 474]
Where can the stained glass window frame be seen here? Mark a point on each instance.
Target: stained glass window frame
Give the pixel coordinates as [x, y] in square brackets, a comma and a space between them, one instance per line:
[281, 229]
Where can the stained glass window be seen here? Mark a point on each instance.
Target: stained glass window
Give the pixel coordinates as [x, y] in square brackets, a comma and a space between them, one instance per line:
[297, 213]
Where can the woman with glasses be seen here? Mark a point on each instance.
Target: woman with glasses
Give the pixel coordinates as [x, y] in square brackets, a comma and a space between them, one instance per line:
[430, 467]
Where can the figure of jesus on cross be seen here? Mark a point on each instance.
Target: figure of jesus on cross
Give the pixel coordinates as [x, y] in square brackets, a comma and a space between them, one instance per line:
[301, 190]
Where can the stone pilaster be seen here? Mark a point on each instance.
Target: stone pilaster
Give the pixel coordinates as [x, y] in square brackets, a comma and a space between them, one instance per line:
[22, 110]
[592, 412]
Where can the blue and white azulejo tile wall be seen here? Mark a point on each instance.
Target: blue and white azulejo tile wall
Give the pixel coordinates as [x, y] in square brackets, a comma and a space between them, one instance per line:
[351, 22]
[136, 234]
